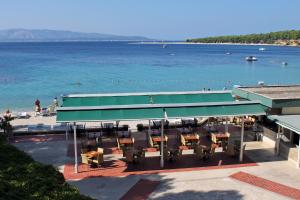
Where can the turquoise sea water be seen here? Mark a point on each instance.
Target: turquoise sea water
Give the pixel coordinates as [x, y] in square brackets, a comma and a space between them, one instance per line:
[45, 70]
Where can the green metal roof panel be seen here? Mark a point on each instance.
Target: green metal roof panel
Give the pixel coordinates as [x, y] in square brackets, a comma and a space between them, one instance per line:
[291, 122]
[209, 111]
[146, 99]
[107, 115]
[131, 113]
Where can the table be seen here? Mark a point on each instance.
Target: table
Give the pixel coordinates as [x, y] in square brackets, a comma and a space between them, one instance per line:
[91, 154]
[125, 141]
[248, 121]
[191, 137]
[221, 135]
[158, 138]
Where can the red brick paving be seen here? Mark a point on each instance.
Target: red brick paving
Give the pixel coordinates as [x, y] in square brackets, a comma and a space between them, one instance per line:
[38, 138]
[267, 184]
[151, 166]
[141, 190]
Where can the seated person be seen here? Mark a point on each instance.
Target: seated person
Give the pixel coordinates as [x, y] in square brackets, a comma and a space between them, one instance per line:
[123, 134]
[7, 114]
[185, 130]
[156, 133]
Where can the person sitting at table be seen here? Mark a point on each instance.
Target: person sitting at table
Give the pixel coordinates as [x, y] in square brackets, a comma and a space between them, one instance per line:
[185, 130]
[126, 134]
[155, 133]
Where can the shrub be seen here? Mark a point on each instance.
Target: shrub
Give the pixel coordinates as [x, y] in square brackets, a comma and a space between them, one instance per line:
[23, 178]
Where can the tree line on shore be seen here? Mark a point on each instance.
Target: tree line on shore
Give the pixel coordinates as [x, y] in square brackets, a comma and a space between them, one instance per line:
[267, 38]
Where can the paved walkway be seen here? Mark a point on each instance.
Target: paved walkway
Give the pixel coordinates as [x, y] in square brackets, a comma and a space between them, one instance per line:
[203, 184]
[141, 190]
[151, 165]
[267, 184]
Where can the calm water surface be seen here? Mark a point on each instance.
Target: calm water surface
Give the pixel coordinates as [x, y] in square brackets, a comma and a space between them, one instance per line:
[45, 70]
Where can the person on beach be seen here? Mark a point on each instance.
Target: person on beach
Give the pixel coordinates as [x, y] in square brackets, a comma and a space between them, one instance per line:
[55, 102]
[7, 113]
[37, 104]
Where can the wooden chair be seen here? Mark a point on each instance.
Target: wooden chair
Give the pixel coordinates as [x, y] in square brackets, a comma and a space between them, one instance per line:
[141, 156]
[129, 156]
[84, 159]
[118, 143]
[150, 142]
[182, 140]
[199, 151]
[224, 145]
[100, 150]
[230, 150]
[213, 150]
[166, 154]
[98, 160]
[213, 138]
[178, 154]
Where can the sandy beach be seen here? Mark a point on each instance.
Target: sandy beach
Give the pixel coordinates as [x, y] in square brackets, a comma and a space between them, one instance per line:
[22, 123]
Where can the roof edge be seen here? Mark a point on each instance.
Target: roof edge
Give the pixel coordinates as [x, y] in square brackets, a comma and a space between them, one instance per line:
[146, 93]
[141, 106]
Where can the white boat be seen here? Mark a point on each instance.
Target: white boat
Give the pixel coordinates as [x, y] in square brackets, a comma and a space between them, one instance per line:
[251, 58]
[262, 49]
[228, 53]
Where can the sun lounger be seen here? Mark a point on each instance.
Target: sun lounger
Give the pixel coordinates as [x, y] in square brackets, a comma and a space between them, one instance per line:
[22, 115]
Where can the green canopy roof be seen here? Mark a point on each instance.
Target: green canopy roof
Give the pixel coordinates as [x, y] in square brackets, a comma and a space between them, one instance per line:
[156, 111]
[146, 98]
[290, 122]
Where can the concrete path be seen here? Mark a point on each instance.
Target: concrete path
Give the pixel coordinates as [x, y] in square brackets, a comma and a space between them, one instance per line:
[204, 184]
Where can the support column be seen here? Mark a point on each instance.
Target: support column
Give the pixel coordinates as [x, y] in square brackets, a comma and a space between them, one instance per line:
[298, 163]
[75, 148]
[279, 132]
[149, 132]
[226, 125]
[291, 137]
[67, 131]
[117, 124]
[149, 128]
[162, 145]
[242, 140]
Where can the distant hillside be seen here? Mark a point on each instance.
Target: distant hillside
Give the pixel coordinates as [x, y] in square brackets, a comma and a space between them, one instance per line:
[28, 35]
[291, 37]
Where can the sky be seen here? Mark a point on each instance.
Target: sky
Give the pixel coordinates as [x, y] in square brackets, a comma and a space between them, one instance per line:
[157, 19]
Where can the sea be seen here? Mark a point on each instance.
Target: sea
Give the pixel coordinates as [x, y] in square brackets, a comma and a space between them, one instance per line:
[51, 69]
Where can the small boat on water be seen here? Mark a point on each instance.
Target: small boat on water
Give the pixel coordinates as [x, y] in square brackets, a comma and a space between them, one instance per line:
[228, 53]
[164, 46]
[262, 49]
[284, 63]
[251, 58]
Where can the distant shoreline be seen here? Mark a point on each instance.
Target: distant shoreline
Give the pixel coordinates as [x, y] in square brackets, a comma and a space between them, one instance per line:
[201, 43]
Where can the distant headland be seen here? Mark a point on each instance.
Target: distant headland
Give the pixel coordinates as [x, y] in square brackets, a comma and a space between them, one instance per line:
[284, 38]
[42, 35]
